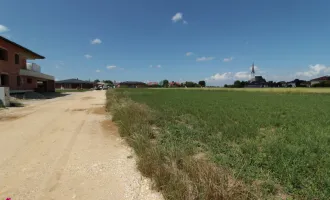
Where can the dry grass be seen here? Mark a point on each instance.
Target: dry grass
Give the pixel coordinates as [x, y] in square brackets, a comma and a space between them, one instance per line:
[177, 173]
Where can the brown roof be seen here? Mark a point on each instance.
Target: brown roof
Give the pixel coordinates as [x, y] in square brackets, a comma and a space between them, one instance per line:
[35, 55]
[322, 78]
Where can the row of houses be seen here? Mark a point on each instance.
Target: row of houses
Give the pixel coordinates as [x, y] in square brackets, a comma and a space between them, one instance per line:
[304, 83]
[258, 81]
[81, 84]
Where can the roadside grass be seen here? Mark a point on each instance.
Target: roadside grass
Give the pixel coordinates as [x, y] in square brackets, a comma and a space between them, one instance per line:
[230, 144]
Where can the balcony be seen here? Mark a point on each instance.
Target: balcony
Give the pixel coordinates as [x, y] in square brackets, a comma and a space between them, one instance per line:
[33, 67]
[34, 70]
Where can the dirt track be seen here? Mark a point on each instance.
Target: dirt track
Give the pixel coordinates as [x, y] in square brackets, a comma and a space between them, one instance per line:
[64, 148]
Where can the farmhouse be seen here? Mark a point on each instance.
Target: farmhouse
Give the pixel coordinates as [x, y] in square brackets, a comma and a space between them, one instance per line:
[73, 84]
[19, 75]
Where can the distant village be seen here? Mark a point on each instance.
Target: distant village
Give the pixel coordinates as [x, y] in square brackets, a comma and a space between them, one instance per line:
[260, 82]
[254, 82]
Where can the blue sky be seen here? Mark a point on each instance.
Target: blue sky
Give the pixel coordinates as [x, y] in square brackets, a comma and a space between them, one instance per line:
[148, 40]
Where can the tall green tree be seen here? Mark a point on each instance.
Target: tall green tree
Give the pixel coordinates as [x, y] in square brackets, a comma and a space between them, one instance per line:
[165, 83]
[202, 83]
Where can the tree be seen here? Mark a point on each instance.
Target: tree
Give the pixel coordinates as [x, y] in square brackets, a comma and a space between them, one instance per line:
[237, 83]
[96, 81]
[225, 85]
[202, 83]
[244, 83]
[165, 83]
[190, 84]
[108, 82]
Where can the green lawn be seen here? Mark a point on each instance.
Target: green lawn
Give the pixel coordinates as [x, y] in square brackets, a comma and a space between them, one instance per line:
[280, 142]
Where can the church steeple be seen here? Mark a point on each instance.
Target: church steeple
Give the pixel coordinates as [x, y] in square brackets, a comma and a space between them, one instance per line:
[252, 70]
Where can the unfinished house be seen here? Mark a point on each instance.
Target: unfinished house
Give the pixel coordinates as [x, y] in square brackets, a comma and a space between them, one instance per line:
[19, 75]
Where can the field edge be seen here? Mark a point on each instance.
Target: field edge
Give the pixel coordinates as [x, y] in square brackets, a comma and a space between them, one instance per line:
[178, 175]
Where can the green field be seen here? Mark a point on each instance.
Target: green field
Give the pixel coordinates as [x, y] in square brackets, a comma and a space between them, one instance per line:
[272, 90]
[275, 145]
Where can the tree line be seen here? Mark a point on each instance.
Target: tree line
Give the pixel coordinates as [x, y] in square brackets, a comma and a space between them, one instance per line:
[165, 83]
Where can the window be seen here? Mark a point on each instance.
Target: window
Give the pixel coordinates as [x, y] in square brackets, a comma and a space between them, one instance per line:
[4, 80]
[29, 80]
[16, 59]
[19, 82]
[3, 54]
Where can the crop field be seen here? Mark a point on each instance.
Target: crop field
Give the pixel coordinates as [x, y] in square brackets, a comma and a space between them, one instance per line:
[275, 145]
[268, 90]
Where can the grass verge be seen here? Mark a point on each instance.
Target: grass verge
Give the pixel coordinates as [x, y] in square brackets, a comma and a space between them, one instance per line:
[179, 171]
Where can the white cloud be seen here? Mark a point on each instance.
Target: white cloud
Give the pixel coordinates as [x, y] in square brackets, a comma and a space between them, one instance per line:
[88, 56]
[189, 53]
[314, 70]
[177, 17]
[156, 66]
[185, 22]
[111, 67]
[228, 59]
[220, 77]
[98, 71]
[204, 59]
[242, 75]
[96, 41]
[3, 29]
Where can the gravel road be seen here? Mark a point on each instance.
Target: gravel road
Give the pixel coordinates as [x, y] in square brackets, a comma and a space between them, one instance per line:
[65, 148]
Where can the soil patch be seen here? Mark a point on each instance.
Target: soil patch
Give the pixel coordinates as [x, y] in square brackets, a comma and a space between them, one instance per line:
[109, 127]
[78, 109]
[99, 110]
[87, 98]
